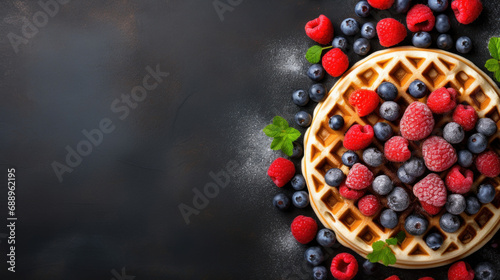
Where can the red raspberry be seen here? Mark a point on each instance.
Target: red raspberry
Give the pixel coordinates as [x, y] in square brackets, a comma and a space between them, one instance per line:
[396, 149]
[381, 4]
[349, 193]
[426, 278]
[488, 163]
[442, 100]
[417, 121]
[320, 30]
[466, 116]
[431, 209]
[467, 11]
[390, 32]
[420, 18]
[281, 171]
[431, 190]
[459, 180]
[460, 271]
[335, 62]
[369, 205]
[359, 177]
[393, 277]
[344, 266]
[439, 155]
[304, 229]
[364, 100]
[358, 137]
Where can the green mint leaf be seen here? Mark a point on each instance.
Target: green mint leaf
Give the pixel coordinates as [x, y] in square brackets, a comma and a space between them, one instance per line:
[494, 47]
[392, 241]
[388, 256]
[280, 122]
[292, 133]
[400, 237]
[375, 256]
[492, 65]
[272, 130]
[378, 245]
[287, 148]
[313, 54]
[277, 143]
[497, 76]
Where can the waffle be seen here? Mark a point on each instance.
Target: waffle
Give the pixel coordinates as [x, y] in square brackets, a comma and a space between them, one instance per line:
[323, 150]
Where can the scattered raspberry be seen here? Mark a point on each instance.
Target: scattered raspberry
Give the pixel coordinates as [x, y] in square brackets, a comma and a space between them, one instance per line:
[320, 30]
[390, 32]
[335, 62]
[442, 100]
[431, 209]
[438, 154]
[466, 116]
[460, 271]
[459, 180]
[393, 277]
[381, 4]
[349, 193]
[417, 122]
[488, 163]
[369, 205]
[358, 137]
[304, 229]
[426, 278]
[431, 190]
[344, 266]
[281, 171]
[364, 100]
[396, 149]
[359, 177]
[420, 18]
[467, 11]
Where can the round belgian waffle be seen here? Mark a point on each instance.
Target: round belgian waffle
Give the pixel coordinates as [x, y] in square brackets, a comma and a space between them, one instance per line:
[323, 150]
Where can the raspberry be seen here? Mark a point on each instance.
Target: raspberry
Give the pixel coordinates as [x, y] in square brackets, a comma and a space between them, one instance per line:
[304, 229]
[281, 171]
[349, 193]
[390, 32]
[417, 121]
[438, 154]
[459, 180]
[396, 149]
[344, 266]
[359, 177]
[431, 209]
[393, 277]
[369, 205]
[420, 18]
[466, 116]
[381, 4]
[431, 190]
[467, 11]
[442, 100]
[335, 62]
[488, 163]
[320, 30]
[460, 271]
[364, 100]
[358, 137]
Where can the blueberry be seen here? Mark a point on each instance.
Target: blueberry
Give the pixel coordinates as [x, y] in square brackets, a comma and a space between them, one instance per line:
[486, 126]
[303, 119]
[314, 255]
[398, 199]
[362, 9]
[334, 177]
[449, 223]
[415, 167]
[402, 6]
[373, 157]
[349, 158]
[320, 273]
[417, 89]
[416, 225]
[389, 110]
[404, 176]
[485, 271]
[361, 46]
[438, 5]
[455, 204]
[382, 185]
[453, 133]
[477, 143]
[340, 42]
[465, 158]
[464, 44]
[317, 92]
[300, 97]
[485, 193]
[383, 131]
[442, 23]
[434, 240]
[349, 26]
[389, 219]
[298, 182]
[368, 30]
[473, 205]
[298, 151]
[444, 42]
[387, 91]
[421, 39]
[326, 237]
[336, 122]
[300, 199]
[316, 72]
[369, 267]
[281, 201]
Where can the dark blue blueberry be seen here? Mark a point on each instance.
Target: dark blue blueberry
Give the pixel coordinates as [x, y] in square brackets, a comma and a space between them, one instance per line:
[473, 205]
[341, 43]
[316, 72]
[298, 151]
[383, 131]
[387, 91]
[326, 238]
[485, 271]
[300, 97]
[373, 157]
[320, 273]
[486, 126]
[434, 240]
[404, 176]
[421, 39]
[369, 267]
[349, 158]
[465, 158]
[398, 200]
[438, 5]
[416, 225]
[300, 199]
[281, 201]
[449, 223]
[402, 6]
[389, 219]
[361, 46]
[362, 9]
[418, 89]
[317, 92]
[453, 133]
[415, 167]
[303, 119]
[349, 26]
[298, 182]
[455, 204]
[477, 143]
[444, 42]
[442, 23]
[336, 122]
[464, 44]
[485, 193]
[334, 177]
[314, 255]
[382, 184]
[390, 111]
[368, 30]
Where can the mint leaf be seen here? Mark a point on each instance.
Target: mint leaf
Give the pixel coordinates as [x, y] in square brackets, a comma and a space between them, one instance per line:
[375, 256]
[292, 133]
[272, 130]
[497, 76]
[283, 135]
[277, 143]
[280, 122]
[400, 237]
[492, 65]
[392, 241]
[382, 252]
[287, 148]
[378, 245]
[313, 54]
[494, 47]
[388, 256]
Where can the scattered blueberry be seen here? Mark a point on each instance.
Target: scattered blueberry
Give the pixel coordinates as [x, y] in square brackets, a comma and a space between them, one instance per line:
[300, 97]
[326, 237]
[389, 110]
[368, 30]
[387, 91]
[465, 158]
[303, 119]
[438, 5]
[415, 167]
[486, 126]
[383, 131]
[316, 72]
[340, 42]
[404, 176]
[298, 182]
[464, 44]
[317, 92]
[417, 89]
[300, 199]
[389, 219]
[477, 143]
[485, 193]
[336, 122]
[473, 205]
[362, 9]
[453, 133]
[402, 6]
[349, 26]
[455, 204]
[369, 267]
[434, 240]
[361, 46]
[444, 42]
[373, 157]
[442, 23]
[398, 199]
[314, 255]
[449, 223]
[421, 39]
[334, 177]
[349, 158]
[416, 225]
[320, 273]
[281, 201]
[382, 185]
[485, 271]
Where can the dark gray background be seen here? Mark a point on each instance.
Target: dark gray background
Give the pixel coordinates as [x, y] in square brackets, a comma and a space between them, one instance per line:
[119, 208]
